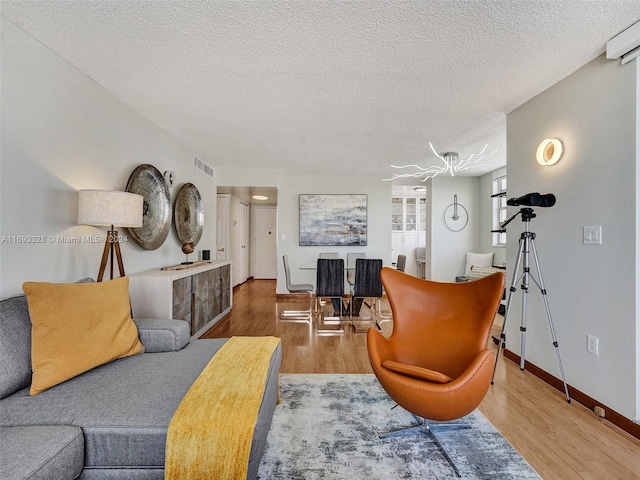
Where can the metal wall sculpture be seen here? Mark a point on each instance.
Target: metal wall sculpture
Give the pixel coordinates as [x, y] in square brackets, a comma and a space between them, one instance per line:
[146, 180]
[188, 217]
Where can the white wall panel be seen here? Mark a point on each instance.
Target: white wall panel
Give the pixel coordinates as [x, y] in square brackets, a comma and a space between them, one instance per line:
[62, 132]
[592, 289]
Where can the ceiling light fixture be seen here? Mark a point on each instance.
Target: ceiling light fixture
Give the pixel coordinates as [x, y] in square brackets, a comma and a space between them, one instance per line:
[451, 165]
[260, 197]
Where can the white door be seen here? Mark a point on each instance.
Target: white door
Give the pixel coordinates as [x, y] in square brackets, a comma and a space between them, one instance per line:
[405, 243]
[238, 241]
[222, 228]
[244, 243]
[265, 242]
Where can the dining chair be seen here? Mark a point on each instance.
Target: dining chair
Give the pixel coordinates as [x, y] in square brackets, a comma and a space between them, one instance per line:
[328, 255]
[296, 288]
[351, 267]
[401, 263]
[421, 260]
[367, 285]
[329, 284]
[336, 304]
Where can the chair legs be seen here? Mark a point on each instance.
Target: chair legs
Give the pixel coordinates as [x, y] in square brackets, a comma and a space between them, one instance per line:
[299, 315]
[428, 428]
[361, 325]
[324, 322]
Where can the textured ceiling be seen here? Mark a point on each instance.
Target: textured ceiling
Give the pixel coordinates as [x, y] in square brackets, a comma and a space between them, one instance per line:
[327, 86]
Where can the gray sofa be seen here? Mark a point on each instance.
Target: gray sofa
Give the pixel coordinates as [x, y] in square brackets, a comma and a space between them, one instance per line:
[110, 422]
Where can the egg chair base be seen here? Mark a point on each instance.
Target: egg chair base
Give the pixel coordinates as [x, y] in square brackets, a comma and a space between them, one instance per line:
[430, 429]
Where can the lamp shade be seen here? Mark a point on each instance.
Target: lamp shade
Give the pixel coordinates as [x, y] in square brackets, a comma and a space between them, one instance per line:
[109, 207]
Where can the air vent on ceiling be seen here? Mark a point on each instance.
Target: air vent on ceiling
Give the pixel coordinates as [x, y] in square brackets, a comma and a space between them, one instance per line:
[625, 45]
[203, 167]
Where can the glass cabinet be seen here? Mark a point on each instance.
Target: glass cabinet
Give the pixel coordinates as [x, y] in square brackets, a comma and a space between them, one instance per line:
[408, 214]
[397, 214]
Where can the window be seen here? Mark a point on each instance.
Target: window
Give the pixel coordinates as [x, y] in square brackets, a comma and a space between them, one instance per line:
[499, 198]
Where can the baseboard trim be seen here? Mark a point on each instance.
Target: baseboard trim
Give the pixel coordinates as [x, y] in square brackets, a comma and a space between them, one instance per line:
[611, 415]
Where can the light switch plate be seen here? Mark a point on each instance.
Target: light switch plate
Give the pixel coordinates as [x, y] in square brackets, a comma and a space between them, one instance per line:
[592, 235]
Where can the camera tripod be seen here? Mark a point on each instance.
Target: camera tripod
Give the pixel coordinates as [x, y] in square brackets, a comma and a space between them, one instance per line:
[527, 245]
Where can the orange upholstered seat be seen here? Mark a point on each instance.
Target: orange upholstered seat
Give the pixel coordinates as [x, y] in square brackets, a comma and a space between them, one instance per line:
[436, 364]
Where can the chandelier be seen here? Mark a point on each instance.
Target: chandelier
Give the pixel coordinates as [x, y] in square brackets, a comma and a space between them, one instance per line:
[451, 164]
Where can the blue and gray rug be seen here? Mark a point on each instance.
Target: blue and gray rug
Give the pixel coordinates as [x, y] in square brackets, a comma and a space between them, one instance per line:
[327, 428]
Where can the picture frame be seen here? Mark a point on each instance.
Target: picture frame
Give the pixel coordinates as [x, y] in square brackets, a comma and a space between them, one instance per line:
[333, 219]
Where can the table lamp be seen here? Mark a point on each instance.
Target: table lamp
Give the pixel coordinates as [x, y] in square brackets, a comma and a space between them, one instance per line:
[110, 208]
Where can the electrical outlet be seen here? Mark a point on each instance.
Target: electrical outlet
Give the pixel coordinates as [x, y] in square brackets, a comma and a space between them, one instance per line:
[592, 344]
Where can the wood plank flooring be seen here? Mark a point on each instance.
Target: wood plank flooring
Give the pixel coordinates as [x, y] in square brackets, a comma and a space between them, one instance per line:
[560, 440]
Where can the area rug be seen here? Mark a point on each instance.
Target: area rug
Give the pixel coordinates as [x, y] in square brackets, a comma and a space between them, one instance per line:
[327, 427]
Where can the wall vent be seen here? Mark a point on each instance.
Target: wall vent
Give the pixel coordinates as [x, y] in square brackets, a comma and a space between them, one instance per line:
[203, 167]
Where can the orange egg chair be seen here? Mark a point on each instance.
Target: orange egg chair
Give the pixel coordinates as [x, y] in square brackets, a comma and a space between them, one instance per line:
[436, 364]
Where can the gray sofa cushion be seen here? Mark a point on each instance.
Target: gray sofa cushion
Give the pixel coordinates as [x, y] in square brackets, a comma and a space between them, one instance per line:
[124, 408]
[41, 452]
[162, 335]
[15, 345]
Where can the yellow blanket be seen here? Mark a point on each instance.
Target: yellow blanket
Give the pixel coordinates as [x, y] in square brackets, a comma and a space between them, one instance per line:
[210, 433]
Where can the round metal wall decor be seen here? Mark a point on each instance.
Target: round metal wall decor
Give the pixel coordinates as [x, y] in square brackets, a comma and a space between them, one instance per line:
[188, 215]
[146, 180]
[455, 216]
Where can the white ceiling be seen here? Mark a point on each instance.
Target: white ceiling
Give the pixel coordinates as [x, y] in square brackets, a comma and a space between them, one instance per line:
[327, 86]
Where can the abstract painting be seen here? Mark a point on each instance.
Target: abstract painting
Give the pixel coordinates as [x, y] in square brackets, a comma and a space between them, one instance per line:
[333, 220]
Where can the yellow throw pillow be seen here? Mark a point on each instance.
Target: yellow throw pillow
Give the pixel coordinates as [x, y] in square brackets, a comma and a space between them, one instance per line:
[77, 327]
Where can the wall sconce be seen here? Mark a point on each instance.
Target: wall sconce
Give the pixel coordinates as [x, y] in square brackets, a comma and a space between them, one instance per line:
[549, 151]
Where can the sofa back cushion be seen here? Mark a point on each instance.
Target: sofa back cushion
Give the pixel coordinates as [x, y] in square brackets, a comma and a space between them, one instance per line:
[478, 260]
[77, 327]
[15, 345]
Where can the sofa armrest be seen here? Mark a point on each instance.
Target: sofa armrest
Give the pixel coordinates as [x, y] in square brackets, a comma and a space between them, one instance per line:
[162, 335]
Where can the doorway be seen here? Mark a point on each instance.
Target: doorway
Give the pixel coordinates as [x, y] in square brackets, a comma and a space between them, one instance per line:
[265, 242]
[237, 223]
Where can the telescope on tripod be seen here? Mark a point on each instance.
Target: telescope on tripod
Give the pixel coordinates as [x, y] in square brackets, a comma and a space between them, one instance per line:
[527, 246]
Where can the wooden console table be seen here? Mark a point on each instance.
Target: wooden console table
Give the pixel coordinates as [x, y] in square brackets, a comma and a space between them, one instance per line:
[200, 295]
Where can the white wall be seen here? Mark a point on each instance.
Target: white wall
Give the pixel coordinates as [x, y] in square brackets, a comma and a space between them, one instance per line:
[246, 178]
[62, 132]
[591, 289]
[637, 65]
[378, 221]
[447, 249]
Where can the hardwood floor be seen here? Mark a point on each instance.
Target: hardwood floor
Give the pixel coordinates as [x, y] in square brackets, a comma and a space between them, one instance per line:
[560, 440]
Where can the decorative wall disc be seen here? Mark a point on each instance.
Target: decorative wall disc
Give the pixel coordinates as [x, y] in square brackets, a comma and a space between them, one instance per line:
[188, 215]
[146, 180]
